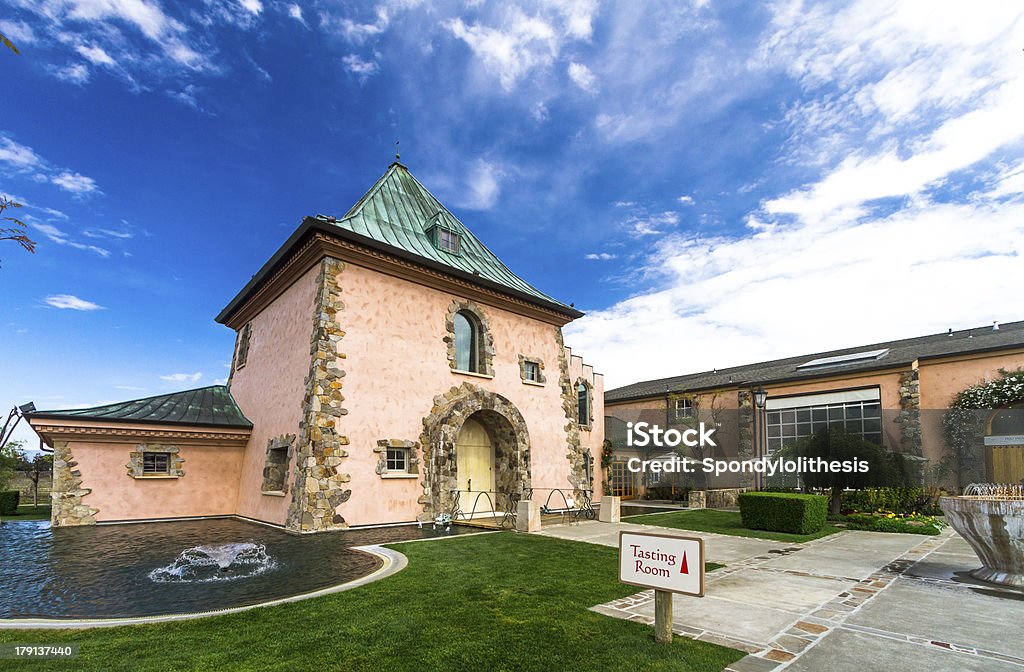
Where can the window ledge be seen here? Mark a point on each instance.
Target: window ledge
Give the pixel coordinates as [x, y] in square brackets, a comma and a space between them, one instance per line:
[154, 477]
[399, 475]
[488, 376]
[533, 382]
[273, 493]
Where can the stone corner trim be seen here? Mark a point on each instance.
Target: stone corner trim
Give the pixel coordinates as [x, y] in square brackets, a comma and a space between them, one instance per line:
[485, 356]
[577, 453]
[319, 481]
[382, 454]
[68, 507]
[523, 359]
[135, 461]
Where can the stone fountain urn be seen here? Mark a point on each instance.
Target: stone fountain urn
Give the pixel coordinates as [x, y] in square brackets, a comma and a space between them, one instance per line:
[991, 518]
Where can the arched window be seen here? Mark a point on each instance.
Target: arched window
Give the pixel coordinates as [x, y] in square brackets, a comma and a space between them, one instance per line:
[583, 398]
[467, 342]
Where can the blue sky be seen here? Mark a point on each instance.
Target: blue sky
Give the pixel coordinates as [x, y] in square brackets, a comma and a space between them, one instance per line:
[714, 183]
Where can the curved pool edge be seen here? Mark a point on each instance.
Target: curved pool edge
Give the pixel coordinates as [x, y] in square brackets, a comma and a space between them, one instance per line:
[394, 562]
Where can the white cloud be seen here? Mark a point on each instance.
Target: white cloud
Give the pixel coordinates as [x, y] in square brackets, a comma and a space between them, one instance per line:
[649, 225]
[362, 69]
[76, 183]
[182, 377]
[583, 77]
[59, 237]
[359, 32]
[71, 302]
[788, 292]
[252, 6]
[482, 186]
[600, 256]
[186, 96]
[17, 155]
[295, 12]
[518, 45]
[95, 55]
[18, 32]
[75, 73]
[685, 200]
[539, 112]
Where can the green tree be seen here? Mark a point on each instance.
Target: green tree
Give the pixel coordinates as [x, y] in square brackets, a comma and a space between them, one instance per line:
[35, 466]
[837, 444]
[9, 457]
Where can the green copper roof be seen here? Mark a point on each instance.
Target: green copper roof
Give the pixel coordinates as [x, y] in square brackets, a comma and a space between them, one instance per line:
[211, 406]
[400, 212]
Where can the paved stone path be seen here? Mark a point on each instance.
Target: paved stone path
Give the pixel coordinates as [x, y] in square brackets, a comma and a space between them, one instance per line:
[849, 601]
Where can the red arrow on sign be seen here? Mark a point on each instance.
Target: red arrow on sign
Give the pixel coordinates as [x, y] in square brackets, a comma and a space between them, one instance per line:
[683, 568]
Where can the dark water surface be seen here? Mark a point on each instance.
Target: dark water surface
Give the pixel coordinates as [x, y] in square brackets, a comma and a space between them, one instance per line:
[149, 569]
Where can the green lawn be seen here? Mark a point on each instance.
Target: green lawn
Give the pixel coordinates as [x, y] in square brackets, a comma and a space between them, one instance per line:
[722, 522]
[29, 512]
[490, 602]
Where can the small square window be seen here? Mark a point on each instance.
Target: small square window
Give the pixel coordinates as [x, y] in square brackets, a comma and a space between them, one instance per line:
[398, 459]
[154, 464]
[448, 240]
[531, 371]
[684, 409]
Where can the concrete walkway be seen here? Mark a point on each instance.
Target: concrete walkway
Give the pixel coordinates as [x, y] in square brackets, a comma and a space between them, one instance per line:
[849, 601]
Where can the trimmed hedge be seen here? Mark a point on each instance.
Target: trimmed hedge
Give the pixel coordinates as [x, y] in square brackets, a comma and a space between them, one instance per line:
[783, 512]
[9, 502]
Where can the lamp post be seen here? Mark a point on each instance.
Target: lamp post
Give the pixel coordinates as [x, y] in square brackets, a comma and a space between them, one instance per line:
[760, 399]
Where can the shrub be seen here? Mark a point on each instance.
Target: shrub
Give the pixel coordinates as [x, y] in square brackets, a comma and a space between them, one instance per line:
[783, 512]
[899, 500]
[9, 502]
[891, 522]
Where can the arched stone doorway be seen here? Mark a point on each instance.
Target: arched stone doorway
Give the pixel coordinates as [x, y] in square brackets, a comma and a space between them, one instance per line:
[496, 447]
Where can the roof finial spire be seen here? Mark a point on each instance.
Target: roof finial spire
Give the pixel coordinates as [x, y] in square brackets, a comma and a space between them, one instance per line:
[397, 155]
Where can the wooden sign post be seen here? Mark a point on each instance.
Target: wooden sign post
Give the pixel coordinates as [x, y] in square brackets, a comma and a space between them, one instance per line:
[667, 564]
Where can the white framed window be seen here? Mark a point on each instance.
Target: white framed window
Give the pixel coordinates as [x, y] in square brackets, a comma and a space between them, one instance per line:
[156, 464]
[397, 460]
[447, 240]
[683, 409]
[531, 371]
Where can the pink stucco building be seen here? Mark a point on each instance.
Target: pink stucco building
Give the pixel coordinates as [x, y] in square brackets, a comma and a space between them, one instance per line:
[388, 368]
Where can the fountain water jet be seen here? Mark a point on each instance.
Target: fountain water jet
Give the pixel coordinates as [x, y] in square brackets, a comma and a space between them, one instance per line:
[222, 562]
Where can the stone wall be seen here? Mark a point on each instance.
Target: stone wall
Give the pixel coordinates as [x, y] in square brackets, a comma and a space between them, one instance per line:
[68, 507]
[576, 454]
[909, 416]
[745, 444]
[319, 479]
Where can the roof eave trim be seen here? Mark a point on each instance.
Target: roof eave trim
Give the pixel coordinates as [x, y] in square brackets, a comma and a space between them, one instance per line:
[129, 421]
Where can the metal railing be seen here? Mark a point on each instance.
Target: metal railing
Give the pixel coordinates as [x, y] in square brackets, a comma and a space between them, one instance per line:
[573, 505]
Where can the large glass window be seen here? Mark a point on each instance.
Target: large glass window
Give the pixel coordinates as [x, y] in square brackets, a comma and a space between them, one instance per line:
[583, 400]
[861, 417]
[466, 342]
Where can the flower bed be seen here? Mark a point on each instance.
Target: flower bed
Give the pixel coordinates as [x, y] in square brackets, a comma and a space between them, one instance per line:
[887, 521]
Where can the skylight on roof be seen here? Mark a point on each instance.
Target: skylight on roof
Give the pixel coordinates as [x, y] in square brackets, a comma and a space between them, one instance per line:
[845, 360]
